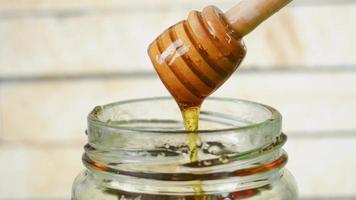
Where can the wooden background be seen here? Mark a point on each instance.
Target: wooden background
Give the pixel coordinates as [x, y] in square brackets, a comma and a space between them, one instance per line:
[58, 59]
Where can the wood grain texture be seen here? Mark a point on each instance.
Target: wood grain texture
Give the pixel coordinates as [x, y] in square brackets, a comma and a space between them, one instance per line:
[19, 5]
[56, 110]
[300, 37]
[323, 167]
[38, 172]
[67, 4]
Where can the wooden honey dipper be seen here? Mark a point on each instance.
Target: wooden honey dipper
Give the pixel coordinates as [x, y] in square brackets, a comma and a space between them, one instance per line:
[196, 56]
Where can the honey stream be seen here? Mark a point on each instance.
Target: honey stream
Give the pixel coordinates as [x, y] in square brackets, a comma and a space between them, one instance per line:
[191, 123]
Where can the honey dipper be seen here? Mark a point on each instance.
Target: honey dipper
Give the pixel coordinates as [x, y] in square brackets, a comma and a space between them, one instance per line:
[196, 56]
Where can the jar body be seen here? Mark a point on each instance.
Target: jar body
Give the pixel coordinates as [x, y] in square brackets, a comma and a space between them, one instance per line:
[87, 188]
[139, 150]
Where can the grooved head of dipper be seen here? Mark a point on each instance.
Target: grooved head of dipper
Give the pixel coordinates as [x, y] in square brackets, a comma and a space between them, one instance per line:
[196, 56]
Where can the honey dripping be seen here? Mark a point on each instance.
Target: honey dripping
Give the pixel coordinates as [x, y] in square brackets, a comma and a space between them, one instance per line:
[194, 57]
[191, 124]
[190, 113]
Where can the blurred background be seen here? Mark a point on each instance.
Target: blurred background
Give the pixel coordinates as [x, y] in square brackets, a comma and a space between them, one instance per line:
[59, 59]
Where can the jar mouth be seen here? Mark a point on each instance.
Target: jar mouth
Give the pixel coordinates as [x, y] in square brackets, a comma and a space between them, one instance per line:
[99, 116]
[145, 138]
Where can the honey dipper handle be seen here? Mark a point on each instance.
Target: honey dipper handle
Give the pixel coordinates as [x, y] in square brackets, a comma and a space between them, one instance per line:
[248, 14]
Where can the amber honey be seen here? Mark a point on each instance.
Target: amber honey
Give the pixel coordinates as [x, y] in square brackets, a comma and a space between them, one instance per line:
[191, 123]
[193, 58]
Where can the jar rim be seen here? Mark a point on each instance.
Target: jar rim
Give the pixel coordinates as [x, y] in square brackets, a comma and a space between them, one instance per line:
[275, 117]
[164, 154]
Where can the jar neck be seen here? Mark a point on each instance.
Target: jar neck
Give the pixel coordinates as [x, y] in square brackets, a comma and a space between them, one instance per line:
[236, 172]
[141, 146]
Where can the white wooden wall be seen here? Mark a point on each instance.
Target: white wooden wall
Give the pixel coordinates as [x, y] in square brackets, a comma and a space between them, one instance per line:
[58, 59]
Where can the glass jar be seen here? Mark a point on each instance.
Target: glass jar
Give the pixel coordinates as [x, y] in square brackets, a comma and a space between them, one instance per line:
[138, 150]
